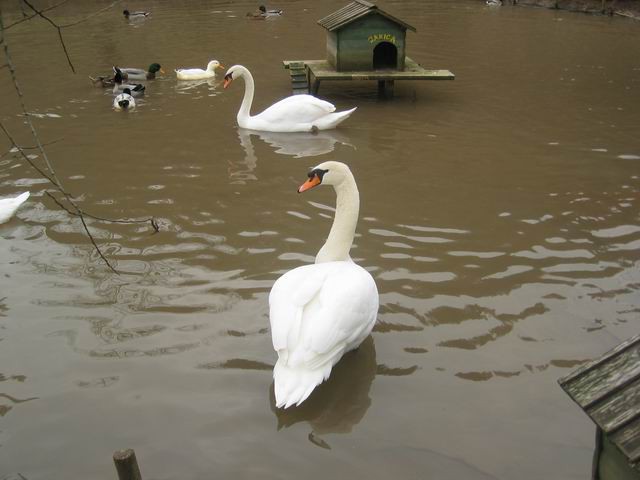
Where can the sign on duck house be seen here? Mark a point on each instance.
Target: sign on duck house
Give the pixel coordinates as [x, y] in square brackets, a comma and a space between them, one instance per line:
[382, 37]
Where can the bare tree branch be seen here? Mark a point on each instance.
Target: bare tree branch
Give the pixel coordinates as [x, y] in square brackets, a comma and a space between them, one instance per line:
[55, 25]
[50, 174]
[29, 17]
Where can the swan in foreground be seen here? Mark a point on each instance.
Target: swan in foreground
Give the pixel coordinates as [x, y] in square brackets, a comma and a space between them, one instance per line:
[8, 206]
[298, 113]
[198, 73]
[319, 312]
[124, 101]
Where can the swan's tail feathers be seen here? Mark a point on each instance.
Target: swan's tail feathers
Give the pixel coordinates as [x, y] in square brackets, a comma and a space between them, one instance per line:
[333, 119]
[20, 199]
[294, 385]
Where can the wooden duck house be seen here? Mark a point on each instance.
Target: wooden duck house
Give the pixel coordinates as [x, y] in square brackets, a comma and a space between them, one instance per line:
[608, 390]
[363, 43]
[362, 37]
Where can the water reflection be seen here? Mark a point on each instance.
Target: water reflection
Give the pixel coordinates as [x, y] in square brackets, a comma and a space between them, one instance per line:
[183, 86]
[341, 402]
[298, 145]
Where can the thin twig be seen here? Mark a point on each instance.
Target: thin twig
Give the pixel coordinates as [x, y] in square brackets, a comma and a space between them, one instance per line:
[86, 229]
[35, 147]
[150, 220]
[24, 108]
[55, 25]
[26, 157]
[24, 19]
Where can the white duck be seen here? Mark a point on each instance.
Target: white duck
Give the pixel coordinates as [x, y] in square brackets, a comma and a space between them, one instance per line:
[319, 312]
[198, 73]
[8, 206]
[298, 113]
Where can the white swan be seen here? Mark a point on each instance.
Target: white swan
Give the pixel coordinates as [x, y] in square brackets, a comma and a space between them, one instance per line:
[8, 206]
[198, 73]
[319, 312]
[298, 113]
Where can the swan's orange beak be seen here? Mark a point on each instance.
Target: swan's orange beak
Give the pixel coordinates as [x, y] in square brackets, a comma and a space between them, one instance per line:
[220, 66]
[312, 182]
[227, 81]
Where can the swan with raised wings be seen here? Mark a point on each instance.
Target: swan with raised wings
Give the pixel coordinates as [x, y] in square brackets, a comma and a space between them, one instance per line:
[297, 113]
[321, 311]
[8, 206]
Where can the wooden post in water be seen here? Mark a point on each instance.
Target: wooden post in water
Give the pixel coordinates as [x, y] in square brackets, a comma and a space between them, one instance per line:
[385, 88]
[126, 465]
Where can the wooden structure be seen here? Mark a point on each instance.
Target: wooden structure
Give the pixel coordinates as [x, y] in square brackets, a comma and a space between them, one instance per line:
[608, 390]
[363, 43]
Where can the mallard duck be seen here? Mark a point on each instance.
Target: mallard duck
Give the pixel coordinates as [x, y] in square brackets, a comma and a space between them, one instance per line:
[9, 205]
[124, 101]
[198, 73]
[135, 89]
[321, 311]
[102, 81]
[297, 113]
[141, 74]
[270, 12]
[135, 15]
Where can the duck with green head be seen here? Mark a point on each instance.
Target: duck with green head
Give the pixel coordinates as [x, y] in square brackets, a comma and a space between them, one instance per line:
[141, 74]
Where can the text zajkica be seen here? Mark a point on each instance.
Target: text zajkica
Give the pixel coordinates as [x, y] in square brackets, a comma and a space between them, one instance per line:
[377, 37]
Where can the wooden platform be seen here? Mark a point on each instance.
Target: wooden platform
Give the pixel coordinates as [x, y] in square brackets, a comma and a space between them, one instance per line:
[306, 75]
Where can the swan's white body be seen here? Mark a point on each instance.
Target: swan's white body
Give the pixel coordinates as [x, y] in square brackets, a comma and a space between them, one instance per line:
[198, 73]
[298, 113]
[319, 312]
[8, 206]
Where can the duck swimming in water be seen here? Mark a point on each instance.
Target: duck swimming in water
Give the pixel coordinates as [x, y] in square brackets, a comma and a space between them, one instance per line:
[135, 15]
[124, 101]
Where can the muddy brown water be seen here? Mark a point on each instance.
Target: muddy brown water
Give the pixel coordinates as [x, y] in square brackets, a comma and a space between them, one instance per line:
[499, 217]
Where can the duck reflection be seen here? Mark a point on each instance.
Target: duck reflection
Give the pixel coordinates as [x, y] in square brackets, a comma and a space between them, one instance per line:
[298, 144]
[186, 85]
[337, 405]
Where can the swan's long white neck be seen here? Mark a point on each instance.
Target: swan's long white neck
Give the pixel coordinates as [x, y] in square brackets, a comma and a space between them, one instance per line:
[244, 114]
[340, 238]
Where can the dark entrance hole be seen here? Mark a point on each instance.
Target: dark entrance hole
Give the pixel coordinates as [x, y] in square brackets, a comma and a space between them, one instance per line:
[385, 55]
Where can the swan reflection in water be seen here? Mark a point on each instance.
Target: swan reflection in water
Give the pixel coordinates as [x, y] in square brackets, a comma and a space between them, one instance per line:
[338, 404]
[300, 144]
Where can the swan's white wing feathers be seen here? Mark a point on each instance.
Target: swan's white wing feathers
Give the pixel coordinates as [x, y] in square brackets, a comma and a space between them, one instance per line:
[298, 109]
[319, 311]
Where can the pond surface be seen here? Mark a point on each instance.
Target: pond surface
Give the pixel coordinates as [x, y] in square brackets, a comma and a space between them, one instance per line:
[499, 218]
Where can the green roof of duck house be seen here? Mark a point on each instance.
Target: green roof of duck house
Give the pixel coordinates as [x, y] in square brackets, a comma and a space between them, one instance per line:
[362, 37]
